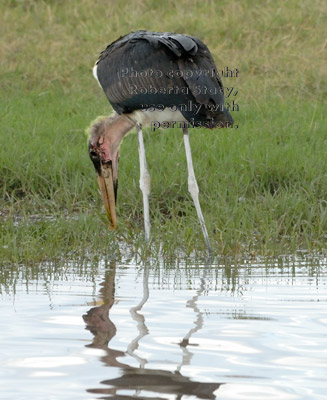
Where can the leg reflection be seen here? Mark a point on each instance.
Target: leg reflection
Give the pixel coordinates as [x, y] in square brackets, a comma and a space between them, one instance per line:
[139, 318]
[140, 380]
[198, 324]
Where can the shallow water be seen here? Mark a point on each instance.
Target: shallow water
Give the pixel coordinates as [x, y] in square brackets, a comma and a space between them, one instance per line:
[122, 331]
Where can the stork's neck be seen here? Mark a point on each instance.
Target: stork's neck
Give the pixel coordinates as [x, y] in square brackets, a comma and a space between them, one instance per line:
[120, 125]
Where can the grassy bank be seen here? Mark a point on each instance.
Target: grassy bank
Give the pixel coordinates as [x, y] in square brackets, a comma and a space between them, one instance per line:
[262, 186]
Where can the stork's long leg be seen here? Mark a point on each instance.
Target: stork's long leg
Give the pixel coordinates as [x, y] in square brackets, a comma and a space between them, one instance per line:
[144, 181]
[193, 187]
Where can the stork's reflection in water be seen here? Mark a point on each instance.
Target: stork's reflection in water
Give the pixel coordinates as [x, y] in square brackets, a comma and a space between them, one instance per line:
[137, 381]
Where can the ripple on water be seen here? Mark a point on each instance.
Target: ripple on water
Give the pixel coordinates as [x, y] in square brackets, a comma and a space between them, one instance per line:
[238, 332]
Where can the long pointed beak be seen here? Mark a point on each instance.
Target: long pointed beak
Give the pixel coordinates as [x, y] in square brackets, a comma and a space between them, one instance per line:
[108, 190]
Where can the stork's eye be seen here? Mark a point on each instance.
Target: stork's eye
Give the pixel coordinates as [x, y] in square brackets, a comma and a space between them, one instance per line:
[93, 154]
[95, 158]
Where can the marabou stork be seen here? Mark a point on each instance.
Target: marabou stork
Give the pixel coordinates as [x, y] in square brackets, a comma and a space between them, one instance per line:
[157, 79]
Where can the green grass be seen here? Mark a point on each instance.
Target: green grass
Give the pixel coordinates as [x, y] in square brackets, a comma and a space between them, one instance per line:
[262, 186]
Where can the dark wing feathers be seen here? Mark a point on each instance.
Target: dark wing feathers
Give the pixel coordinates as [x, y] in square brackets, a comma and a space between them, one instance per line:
[129, 77]
[150, 68]
[179, 44]
[204, 83]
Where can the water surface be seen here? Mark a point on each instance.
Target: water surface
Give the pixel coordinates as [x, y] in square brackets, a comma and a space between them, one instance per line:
[124, 331]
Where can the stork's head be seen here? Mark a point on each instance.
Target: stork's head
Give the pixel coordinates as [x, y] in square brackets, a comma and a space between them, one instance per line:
[105, 135]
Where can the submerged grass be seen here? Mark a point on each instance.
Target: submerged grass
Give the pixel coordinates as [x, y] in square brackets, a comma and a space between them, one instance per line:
[262, 186]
